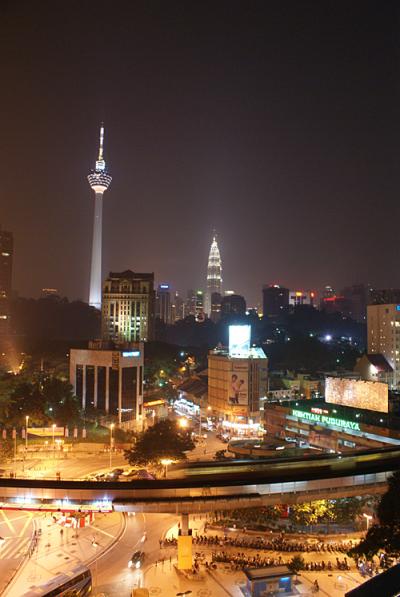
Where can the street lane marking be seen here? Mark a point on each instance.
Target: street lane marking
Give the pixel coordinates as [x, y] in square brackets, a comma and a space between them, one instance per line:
[14, 519]
[29, 520]
[8, 523]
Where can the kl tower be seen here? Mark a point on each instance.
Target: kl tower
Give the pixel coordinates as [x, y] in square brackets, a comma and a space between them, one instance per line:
[99, 181]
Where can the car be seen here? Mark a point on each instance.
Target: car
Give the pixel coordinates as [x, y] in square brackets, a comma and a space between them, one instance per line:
[136, 560]
[143, 474]
[130, 473]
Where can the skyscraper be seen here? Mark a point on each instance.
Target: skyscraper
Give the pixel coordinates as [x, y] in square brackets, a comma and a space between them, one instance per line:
[163, 303]
[214, 275]
[6, 256]
[99, 181]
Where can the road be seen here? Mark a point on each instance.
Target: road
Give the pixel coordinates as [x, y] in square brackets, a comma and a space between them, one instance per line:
[70, 466]
[111, 574]
[16, 529]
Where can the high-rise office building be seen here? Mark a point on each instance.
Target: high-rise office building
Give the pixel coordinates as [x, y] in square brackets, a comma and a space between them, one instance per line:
[199, 306]
[214, 275]
[163, 303]
[6, 260]
[383, 327]
[233, 304]
[216, 300]
[178, 308]
[275, 299]
[99, 180]
[128, 307]
[190, 304]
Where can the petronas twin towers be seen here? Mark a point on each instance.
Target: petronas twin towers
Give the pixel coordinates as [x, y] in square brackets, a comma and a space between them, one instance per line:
[214, 281]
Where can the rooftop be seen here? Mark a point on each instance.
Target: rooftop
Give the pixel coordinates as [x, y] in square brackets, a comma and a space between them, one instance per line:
[261, 573]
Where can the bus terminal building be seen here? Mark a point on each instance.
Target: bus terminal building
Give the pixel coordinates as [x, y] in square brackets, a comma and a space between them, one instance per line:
[329, 427]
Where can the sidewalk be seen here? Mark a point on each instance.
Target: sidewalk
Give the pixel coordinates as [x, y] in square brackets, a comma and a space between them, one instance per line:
[58, 551]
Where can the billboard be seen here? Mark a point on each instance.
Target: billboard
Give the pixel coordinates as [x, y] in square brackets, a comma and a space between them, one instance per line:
[238, 386]
[239, 340]
[369, 395]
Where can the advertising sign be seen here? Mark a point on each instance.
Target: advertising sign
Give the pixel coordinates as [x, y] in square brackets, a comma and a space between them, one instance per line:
[46, 431]
[239, 340]
[326, 420]
[238, 386]
[369, 395]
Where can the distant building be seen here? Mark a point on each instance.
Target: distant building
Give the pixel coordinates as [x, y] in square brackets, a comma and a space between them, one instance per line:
[234, 304]
[177, 308]
[386, 296]
[383, 327]
[109, 378]
[275, 299]
[199, 306]
[336, 304]
[374, 367]
[190, 304]
[300, 297]
[357, 297]
[128, 307]
[6, 262]
[163, 303]
[214, 275]
[216, 300]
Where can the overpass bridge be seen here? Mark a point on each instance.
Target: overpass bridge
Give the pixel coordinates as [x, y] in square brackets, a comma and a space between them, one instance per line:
[205, 486]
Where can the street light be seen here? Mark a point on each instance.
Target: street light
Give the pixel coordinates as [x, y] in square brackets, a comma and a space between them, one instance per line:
[368, 517]
[183, 423]
[111, 441]
[54, 447]
[165, 462]
[26, 433]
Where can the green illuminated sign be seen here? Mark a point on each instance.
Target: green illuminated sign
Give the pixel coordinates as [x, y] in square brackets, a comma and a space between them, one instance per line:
[325, 420]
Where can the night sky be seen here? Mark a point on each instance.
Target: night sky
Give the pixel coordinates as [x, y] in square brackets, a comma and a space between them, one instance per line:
[277, 123]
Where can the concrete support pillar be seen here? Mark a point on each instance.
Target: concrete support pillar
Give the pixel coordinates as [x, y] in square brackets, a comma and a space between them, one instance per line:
[107, 405]
[184, 524]
[185, 558]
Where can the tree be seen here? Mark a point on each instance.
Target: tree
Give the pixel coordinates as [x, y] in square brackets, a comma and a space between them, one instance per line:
[386, 534]
[163, 440]
[296, 564]
[312, 512]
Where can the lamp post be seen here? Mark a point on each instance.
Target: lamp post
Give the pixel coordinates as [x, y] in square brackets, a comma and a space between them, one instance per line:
[54, 447]
[26, 432]
[111, 442]
[165, 462]
[368, 518]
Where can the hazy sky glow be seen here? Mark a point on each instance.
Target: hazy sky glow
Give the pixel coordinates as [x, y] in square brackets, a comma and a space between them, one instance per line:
[277, 125]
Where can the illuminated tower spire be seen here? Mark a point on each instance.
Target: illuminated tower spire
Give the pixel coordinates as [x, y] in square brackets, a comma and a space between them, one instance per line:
[214, 275]
[99, 181]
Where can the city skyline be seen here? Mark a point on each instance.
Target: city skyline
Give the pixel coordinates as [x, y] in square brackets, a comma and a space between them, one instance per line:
[274, 126]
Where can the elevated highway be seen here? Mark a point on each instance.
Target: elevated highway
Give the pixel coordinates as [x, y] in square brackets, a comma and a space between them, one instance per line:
[204, 486]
